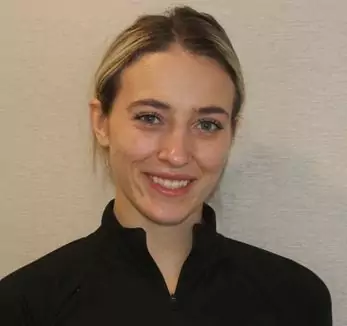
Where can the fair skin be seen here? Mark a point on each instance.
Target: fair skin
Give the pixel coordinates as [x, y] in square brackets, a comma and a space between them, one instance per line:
[170, 121]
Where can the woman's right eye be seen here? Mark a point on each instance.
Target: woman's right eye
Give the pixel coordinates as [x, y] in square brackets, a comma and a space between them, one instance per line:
[148, 118]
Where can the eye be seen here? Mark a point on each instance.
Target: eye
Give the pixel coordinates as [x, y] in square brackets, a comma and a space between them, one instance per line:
[148, 118]
[209, 125]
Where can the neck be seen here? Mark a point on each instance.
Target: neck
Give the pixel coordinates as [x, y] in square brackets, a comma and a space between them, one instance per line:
[169, 245]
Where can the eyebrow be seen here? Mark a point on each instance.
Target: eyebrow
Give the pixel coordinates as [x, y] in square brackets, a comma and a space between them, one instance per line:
[211, 109]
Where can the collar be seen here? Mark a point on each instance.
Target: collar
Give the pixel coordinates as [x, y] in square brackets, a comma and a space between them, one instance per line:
[132, 241]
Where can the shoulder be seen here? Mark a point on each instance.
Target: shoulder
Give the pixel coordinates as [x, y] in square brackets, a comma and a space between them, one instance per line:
[54, 275]
[295, 288]
[62, 260]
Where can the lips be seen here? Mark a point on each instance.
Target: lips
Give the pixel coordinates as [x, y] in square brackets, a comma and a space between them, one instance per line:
[170, 184]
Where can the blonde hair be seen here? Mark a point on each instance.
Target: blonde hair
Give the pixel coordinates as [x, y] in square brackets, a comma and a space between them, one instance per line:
[197, 32]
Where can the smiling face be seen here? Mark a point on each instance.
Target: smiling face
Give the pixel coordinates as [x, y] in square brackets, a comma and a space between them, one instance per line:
[168, 134]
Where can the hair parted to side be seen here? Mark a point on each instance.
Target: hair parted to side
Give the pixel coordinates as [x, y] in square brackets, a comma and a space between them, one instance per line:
[197, 32]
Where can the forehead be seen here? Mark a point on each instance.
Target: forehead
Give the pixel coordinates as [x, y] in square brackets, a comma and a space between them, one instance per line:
[182, 79]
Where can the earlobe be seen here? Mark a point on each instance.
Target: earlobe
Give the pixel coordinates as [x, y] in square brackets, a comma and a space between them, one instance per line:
[99, 123]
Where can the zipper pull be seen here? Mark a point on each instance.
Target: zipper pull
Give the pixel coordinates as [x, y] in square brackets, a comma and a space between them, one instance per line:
[173, 302]
[173, 299]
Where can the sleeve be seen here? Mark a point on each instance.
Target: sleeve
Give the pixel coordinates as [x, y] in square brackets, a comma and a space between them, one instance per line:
[311, 297]
[322, 312]
[13, 306]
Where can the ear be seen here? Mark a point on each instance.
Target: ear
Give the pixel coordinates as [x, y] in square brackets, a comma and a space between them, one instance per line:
[99, 123]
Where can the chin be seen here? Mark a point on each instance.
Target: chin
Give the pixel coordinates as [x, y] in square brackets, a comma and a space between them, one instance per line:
[167, 213]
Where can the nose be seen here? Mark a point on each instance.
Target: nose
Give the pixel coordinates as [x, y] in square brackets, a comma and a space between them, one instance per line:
[175, 148]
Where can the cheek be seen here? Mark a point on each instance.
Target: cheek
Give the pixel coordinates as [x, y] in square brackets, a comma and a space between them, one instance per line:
[213, 157]
[129, 145]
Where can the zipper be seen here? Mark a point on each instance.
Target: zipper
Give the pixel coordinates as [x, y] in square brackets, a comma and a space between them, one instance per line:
[173, 302]
[64, 304]
[173, 299]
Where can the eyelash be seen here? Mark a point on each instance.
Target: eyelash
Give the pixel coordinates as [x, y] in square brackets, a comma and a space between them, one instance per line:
[216, 123]
[141, 116]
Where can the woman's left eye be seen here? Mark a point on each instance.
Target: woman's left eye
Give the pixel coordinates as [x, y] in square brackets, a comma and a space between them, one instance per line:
[209, 125]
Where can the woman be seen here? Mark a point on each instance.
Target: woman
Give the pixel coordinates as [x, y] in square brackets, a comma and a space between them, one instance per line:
[168, 95]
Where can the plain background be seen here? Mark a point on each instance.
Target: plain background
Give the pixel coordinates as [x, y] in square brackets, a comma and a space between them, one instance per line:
[286, 188]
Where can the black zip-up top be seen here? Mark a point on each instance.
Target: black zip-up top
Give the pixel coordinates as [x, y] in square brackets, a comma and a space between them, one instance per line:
[109, 279]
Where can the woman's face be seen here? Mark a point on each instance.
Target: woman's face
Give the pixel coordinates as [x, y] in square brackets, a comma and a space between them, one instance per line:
[169, 134]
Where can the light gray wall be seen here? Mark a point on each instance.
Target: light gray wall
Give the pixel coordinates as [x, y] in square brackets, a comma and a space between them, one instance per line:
[286, 188]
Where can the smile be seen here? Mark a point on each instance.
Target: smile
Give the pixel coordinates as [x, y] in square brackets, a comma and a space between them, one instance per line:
[170, 184]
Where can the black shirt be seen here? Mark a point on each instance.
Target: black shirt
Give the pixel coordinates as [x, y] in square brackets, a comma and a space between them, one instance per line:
[109, 278]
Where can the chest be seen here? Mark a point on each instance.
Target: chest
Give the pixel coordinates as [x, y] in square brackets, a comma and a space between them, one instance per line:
[128, 296]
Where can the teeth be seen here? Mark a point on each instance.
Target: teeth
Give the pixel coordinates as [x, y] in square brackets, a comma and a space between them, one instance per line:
[170, 184]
